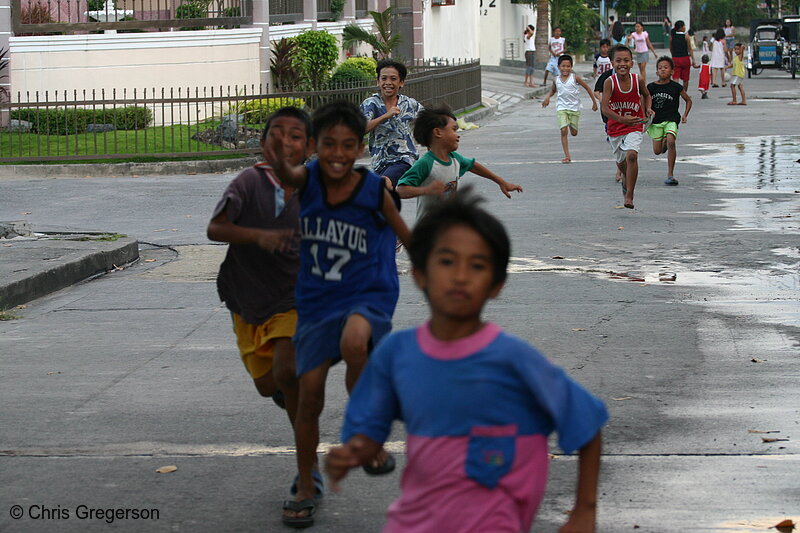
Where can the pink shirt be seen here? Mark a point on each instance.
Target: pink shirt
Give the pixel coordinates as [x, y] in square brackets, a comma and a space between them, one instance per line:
[641, 41]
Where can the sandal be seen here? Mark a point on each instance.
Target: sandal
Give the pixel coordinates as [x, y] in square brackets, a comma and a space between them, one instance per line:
[386, 467]
[299, 522]
[319, 484]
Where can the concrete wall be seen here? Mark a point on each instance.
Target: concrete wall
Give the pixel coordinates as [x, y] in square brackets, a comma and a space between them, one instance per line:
[452, 32]
[680, 10]
[135, 60]
[501, 26]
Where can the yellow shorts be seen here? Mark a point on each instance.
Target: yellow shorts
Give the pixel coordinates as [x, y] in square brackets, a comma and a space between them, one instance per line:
[256, 341]
[659, 131]
[568, 118]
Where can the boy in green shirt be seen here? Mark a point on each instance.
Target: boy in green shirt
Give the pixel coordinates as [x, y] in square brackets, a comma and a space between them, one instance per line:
[437, 172]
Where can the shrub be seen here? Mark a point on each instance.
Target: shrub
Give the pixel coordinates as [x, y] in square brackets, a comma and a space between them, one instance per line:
[365, 64]
[317, 55]
[257, 111]
[349, 74]
[193, 9]
[69, 121]
[284, 76]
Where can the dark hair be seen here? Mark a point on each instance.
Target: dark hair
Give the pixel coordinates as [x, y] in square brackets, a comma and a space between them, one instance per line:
[639, 22]
[719, 34]
[288, 111]
[605, 41]
[428, 120]
[677, 26]
[530, 26]
[336, 113]
[619, 48]
[564, 57]
[667, 59]
[384, 63]
[617, 31]
[705, 58]
[690, 32]
[460, 209]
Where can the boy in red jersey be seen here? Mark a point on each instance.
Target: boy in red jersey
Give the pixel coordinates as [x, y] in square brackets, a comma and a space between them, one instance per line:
[626, 103]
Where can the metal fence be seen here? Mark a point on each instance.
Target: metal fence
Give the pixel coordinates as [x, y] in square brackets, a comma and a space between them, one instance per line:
[75, 16]
[183, 122]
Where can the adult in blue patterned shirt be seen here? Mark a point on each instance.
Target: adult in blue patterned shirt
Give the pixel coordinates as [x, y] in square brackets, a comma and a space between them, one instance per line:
[389, 115]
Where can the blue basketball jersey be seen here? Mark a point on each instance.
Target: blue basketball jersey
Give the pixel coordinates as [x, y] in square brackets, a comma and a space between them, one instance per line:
[347, 251]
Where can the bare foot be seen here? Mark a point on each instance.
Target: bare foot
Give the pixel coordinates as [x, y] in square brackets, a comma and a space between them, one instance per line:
[733, 103]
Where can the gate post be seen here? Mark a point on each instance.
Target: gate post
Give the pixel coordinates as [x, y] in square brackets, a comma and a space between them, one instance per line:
[260, 20]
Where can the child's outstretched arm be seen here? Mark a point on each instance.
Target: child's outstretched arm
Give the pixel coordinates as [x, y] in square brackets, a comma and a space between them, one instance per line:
[546, 101]
[221, 229]
[359, 450]
[589, 91]
[505, 187]
[583, 517]
[434, 188]
[288, 174]
[688, 100]
[393, 218]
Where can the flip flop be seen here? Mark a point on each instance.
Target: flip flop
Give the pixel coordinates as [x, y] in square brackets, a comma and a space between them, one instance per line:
[319, 484]
[299, 522]
[732, 103]
[382, 469]
[628, 206]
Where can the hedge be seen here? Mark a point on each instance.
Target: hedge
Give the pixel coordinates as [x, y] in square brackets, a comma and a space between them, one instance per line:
[257, 111]
[69, 121]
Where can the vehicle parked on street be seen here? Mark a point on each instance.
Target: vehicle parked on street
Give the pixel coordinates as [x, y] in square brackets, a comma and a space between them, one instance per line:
[773, 45]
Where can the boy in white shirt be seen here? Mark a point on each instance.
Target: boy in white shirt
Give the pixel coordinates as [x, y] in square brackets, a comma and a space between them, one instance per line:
[558, 47]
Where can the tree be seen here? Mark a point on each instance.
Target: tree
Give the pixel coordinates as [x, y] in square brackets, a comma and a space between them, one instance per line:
[542, 54]
[316, 55]
[382, 41]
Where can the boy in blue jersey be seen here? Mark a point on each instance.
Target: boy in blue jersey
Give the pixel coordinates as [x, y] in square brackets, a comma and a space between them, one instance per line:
[478, 404]
[347, 287]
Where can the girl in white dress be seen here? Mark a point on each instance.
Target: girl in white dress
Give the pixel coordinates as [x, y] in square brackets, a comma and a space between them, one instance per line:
[719, 54]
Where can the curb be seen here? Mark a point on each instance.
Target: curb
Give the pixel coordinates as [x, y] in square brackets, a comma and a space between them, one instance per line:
[25, 280]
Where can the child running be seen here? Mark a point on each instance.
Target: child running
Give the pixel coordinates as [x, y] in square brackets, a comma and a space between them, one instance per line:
[737, 80]
[626, 103]
[568, 102]
[438, 170]
[347, 286]
[259, 219]
[477, 402]
[705, 77]
[598, 93]
[664, 94]
[557, 47]
[602, 63]
[389, 115]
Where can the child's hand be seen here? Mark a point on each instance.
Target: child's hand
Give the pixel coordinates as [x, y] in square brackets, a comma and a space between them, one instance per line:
[683, 120]
[631, 120]
[506, 188]
[436, 188]
[392, 112]
[594, 105]
[275, 240]
[546, 102]
[580, 521]
[338, 461]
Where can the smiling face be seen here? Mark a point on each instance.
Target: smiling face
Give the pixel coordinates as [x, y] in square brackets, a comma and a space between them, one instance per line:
[458, 277]
[565, 67]
[294, 136]
[622, 62]
[338, 147]
[389, 82]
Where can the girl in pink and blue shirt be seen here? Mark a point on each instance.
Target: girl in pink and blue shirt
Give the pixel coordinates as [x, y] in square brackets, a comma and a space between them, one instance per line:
[477, 402]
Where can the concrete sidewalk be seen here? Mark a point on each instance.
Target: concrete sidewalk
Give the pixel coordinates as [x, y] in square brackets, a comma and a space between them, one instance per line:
[36, 263]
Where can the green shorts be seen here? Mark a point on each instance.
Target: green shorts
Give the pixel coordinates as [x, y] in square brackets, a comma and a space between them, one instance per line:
[659, 131]
[568, 118]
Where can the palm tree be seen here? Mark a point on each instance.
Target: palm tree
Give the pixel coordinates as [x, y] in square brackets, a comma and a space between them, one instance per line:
[542, 32]
[382, 41]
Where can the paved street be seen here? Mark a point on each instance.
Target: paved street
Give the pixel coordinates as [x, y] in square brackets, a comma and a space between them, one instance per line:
[104, 382]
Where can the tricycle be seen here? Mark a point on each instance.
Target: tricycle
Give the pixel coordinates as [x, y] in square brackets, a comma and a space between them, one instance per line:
[773, 45]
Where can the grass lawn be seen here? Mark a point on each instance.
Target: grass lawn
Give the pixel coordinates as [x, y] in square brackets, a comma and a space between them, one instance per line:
[147, 143]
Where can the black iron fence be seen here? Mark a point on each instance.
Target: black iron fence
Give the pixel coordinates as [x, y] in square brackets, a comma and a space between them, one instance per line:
[183, 122]
[37, 17]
